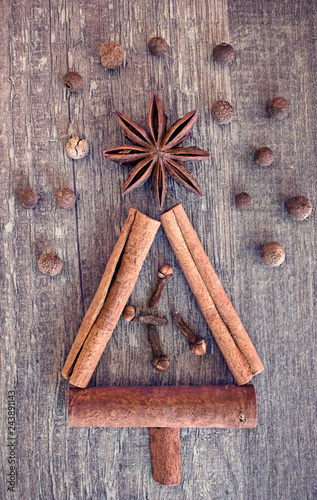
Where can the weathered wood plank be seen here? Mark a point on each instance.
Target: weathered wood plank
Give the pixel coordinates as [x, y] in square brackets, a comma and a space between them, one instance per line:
[275, 54]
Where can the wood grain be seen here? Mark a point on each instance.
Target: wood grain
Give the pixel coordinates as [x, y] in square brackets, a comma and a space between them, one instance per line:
[275, 46]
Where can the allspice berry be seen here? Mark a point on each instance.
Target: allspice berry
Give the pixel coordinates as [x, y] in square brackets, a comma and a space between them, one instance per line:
[28, 198]
[273, 254]
[65, 198]
[223, 53]
[243, 201]
[111, 55]
[264, 157]
[73, 81]
[222, 112]
[279, 108]
[77, 148]
[50, 264]
[157, 46]
[299, 207]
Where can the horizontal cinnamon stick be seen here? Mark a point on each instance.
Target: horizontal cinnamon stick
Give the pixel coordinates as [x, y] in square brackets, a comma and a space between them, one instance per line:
[172, 406]
[227, 328]
[103, 315]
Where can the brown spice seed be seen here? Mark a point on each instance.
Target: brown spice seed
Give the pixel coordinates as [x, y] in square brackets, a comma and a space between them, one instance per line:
[279, 108]
[73, 81]
[111, 55]
[65, 198]
[222, 112]
[77, 148]
[50, 264]
[28, 198]
[273, 254]
[158, 46]
[299, 207]
[243, 201]
[264, 157]
[223, 53]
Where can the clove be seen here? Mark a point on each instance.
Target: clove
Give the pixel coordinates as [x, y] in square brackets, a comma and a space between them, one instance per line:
[197, 344]
[160, 361]
[132, 314]
[165, 274]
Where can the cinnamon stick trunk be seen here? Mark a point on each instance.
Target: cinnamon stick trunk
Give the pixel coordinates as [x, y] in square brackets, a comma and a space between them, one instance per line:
[166, 455]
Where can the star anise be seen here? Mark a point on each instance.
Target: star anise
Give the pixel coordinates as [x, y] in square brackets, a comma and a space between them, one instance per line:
[154, 151]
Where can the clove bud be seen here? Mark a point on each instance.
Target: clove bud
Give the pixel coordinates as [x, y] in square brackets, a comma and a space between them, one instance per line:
[165, 274]
[160, 361]
[197, 345]
[132, 314]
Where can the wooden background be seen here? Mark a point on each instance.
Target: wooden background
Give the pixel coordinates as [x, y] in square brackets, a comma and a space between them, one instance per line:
[275, 45]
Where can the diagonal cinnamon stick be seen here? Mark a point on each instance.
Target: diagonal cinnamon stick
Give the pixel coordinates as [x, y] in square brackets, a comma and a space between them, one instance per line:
[103, 315]
[100, 295]
[229, 333]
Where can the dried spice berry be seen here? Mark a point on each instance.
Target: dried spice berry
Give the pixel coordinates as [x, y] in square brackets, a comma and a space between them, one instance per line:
[279, 108]
[157, 46]
[243, 201]
[264, 157]
[73, 81]
[50, 264]
[111, 55]
[223, 53]
[222, 112]
[77, 148]
[65, 198]
[28, 198]
[273, 254]
[299, 207]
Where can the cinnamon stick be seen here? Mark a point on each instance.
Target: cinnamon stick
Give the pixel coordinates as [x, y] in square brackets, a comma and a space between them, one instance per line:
[219, 406]
[103, 314]
[166, 455]
[227, 328]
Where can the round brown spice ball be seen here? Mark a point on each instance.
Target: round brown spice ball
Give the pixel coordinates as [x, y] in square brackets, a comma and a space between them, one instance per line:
[28, 198]
[77, 148]
[222, 112]
[223, 53]
[273, 254]
[50, 264]
[111, 55]
[264, 157]
[279, 108]
[243, 201]
[65, 198]
[73, 81]
[299, 207]
[157, 46]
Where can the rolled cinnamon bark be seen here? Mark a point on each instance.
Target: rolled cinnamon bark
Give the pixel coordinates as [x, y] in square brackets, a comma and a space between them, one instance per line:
[181, 406]
[226, 326]
[101, 293]
[102, 317]
[166, 455]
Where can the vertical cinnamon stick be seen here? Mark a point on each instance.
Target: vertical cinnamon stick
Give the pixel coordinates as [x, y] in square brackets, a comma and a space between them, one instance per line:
[132, 247]
[166, 455]
[216, 307]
